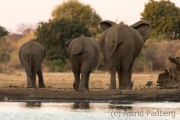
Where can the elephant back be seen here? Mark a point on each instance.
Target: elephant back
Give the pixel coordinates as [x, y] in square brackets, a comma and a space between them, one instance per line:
[76, 46]
[32, 47]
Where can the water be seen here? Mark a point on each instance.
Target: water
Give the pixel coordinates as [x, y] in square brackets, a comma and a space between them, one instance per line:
[89, 110]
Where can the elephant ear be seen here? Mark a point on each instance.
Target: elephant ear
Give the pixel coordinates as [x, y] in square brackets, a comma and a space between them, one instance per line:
[143, 27]
[106, 24]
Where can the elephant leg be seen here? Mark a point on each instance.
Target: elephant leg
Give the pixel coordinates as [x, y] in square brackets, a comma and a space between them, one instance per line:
[120, 79]
[76, 81]
[126, 71]
[76, 66]
[33, 80]
[29, 81]
[29, 74]
[130, 75]
[84, 73]
[40, 76]
[112, 67]
[87, 81]
[82, 82]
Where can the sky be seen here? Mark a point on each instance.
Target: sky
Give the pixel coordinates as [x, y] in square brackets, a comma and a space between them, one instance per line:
[16, 12]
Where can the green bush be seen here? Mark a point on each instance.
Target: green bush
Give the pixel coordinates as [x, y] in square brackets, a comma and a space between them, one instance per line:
[58, 66]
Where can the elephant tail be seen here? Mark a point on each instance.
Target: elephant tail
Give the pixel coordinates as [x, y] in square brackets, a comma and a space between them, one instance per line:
[115, 46]
[71, 52]
[30, 64]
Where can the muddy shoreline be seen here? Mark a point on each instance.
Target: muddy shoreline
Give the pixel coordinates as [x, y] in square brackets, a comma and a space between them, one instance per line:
[59, 88]
[104, 95]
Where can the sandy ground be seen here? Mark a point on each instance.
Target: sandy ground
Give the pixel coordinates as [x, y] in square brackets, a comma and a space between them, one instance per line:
[59, 88]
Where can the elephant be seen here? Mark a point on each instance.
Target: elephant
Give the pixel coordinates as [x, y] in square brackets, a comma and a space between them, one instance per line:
[120, 45]
[84, 55]
[31, 55]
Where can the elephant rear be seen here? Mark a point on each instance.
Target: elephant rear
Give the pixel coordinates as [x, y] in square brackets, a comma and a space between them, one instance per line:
[31, 55]
[87, 49]
[84, 55]
[31, 51]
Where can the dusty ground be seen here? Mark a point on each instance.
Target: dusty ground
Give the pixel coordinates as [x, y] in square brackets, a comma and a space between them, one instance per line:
[59, 87]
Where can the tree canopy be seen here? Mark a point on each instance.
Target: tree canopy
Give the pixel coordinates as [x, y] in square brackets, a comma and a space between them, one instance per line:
[53, 34]
[73, 9]
[163, 16]
[3, 32]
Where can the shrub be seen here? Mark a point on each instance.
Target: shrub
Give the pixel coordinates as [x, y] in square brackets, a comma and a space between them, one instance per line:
[59, 66]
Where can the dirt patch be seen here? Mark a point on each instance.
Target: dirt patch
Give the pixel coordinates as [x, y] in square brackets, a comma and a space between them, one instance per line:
[59, 87]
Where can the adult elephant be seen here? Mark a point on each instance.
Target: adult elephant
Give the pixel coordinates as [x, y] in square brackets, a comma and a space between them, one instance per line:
[120, 45]
[83, 54]
[31, 55]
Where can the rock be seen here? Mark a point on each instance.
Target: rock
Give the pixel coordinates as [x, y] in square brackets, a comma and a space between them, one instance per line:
[149, 83]
[5, 98]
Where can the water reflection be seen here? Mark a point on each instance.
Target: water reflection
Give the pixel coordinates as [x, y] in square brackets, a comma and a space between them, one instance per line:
[88, 110]
[33, 104]
[81, 105]
[121, 106]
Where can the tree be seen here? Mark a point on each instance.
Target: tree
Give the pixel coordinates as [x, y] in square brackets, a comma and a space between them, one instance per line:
[3, 32]
[4, 55]
[54, 33]
[73, 9]
[163, 16]
[25, 28]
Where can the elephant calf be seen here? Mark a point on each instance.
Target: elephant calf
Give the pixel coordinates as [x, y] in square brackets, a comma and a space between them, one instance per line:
[31, 55]
[83, 54]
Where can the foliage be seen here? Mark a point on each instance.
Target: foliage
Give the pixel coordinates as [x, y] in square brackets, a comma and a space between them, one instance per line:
[154, 56]
[58, 66]
[73, 9]
[163, 16]
[4, 55]
[53, 34]
[3, 32]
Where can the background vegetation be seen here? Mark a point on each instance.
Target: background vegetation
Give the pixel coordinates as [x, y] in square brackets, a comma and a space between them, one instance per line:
[164, 18]
[73, 18]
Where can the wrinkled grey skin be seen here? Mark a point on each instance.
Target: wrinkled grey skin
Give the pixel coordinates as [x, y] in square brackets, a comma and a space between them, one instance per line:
[120, 45]
[83, 55]
[31, 55]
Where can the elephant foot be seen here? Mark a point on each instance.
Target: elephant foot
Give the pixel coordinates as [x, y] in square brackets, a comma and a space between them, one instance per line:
[30, 86]
[111, 88]
[125, 88]
[74, 86]
[82, 89]
[41, 86]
